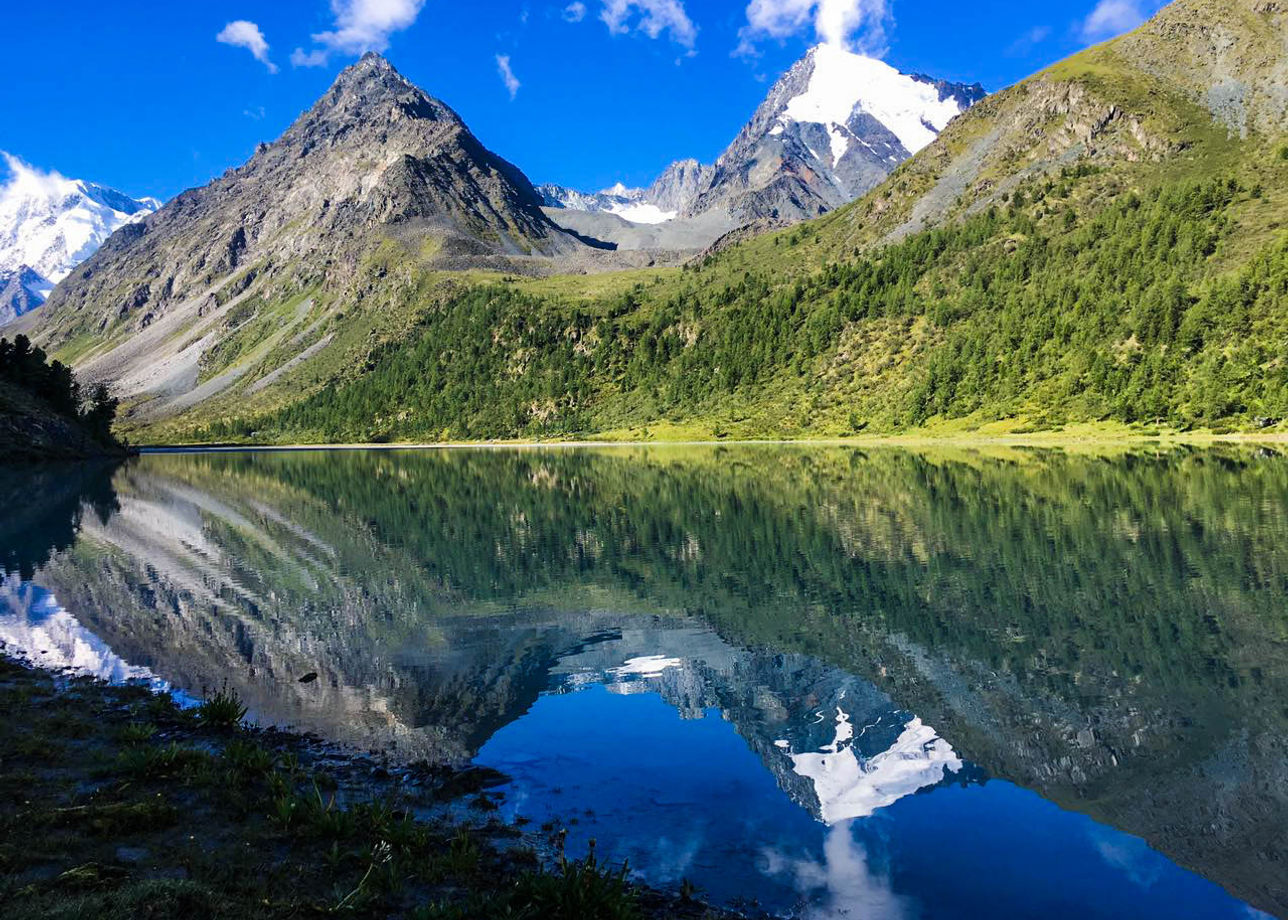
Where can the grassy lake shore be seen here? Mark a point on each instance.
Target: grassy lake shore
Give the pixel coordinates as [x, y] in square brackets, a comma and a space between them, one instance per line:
[119, 803]
[1009, 434]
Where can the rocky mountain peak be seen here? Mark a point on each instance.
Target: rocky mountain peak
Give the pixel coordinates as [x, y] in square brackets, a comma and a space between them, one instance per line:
[373, 91]
[679, 185]
[832, 128]
[375, 160]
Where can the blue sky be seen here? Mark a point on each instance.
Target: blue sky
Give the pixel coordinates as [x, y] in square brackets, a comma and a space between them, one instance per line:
[154, 98]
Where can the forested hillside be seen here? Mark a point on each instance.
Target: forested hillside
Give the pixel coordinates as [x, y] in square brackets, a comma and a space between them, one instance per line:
[1032, 310]
[44, 411]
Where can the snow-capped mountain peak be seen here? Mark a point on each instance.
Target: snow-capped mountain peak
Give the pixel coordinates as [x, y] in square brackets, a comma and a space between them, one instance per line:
[621, 191]
[49, 224]
[842, 84]
[831, 128]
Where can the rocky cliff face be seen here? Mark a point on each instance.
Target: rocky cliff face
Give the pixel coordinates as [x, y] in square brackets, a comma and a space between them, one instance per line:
[680, 185]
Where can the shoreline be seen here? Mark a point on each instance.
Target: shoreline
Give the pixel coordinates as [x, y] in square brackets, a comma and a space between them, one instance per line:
[1054, 439]
[130, 805]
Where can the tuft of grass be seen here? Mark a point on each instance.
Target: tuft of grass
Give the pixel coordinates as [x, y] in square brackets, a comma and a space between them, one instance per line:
[153, 762]
[137, 733]
[327, 820]
[223, 711]
[580, 890]
[249, 758]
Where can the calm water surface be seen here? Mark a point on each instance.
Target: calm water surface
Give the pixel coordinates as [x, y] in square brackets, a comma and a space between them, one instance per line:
[831, 682]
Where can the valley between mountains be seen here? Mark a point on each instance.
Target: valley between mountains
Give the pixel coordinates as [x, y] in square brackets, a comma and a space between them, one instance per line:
[1103, 243]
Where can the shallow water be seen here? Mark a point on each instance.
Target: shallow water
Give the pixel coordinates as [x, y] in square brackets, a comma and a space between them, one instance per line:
[827, 681]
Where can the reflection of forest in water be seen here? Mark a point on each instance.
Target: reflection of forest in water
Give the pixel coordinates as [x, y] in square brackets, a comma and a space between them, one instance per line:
[1109, 632]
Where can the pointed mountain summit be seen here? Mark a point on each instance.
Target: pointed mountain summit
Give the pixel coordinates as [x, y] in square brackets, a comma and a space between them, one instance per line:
[831, 129]
[375, 158]
[175, 309]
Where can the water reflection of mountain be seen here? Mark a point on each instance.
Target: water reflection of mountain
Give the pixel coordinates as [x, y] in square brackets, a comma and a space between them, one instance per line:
[1109, 633]
[835, 743]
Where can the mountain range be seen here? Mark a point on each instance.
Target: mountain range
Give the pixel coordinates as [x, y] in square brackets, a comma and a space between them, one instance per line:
[48, 226]
[1100, 243]
[832, 128]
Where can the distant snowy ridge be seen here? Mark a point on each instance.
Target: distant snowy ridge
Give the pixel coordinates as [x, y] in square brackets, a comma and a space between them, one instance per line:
[49, 224]
[627, 203]
[35, 627]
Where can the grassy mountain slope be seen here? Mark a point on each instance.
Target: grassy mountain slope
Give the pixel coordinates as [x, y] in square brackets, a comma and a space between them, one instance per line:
[1100, 242]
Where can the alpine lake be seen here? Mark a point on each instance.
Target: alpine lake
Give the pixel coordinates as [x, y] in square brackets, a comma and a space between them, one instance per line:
[820, 681]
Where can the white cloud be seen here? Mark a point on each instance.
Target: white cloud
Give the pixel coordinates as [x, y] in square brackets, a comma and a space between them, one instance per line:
[1029, 40]
[1114, 17]
[575, 12]
[360, 26]
[511, 82]
[845, 23]
[28, 182]
[244, 34]
[315, 58]
[652, 17]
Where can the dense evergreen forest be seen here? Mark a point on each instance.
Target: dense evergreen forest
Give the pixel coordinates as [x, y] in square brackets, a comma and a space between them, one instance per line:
[1044, 308]
[53, 383]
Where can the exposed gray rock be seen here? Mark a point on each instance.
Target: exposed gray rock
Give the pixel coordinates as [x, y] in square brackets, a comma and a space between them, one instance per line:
[680, 185]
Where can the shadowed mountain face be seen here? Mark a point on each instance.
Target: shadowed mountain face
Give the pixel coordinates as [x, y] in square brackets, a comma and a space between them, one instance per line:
[1108, 633]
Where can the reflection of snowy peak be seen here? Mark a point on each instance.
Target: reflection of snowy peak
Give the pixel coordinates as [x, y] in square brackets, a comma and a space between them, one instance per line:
[835, 743]
[34, 626]
[50, 224]
[852, 784]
